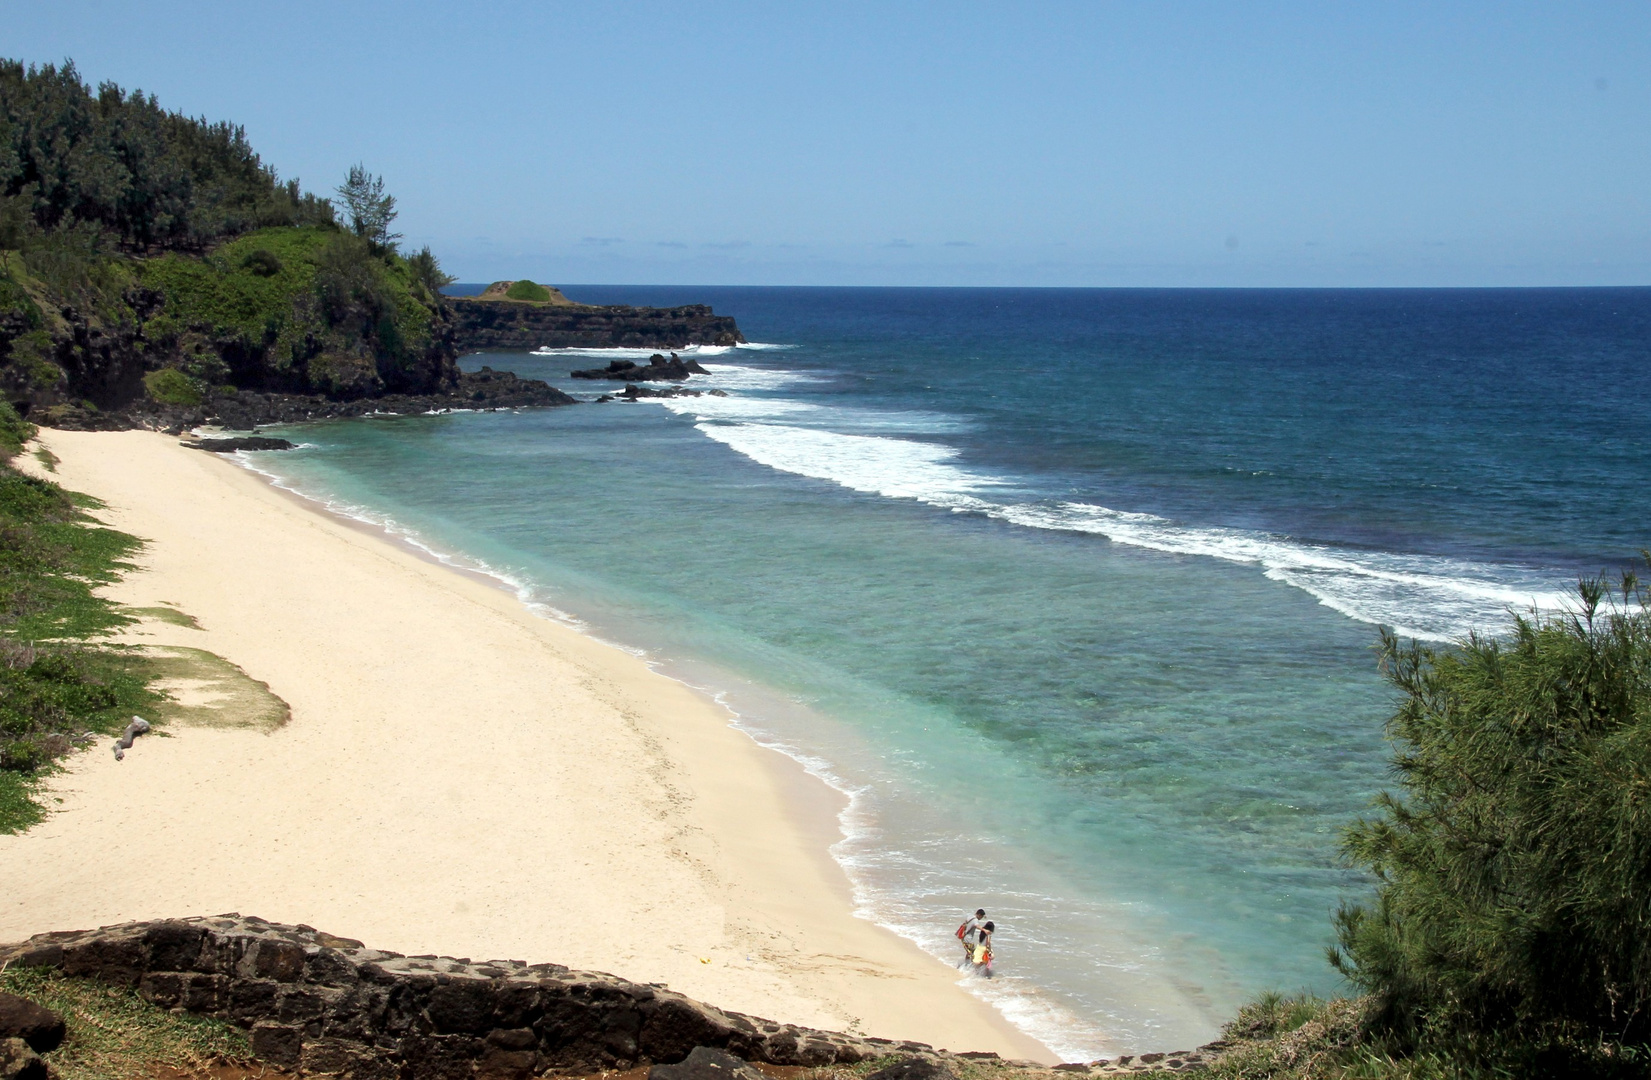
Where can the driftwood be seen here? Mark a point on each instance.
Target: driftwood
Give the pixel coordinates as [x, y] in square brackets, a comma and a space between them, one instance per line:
[137, 727]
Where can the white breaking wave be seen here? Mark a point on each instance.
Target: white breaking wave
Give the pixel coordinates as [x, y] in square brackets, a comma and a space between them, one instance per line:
[740, 377]
[1429, 597]
[624, 351]
[1422, 596]
[899, 468]
[831, 417]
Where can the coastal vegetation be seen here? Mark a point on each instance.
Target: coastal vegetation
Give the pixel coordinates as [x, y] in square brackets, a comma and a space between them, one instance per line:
[57, 686]
[524, 291]
[152, 258]
[528, 290]
[1510, 930]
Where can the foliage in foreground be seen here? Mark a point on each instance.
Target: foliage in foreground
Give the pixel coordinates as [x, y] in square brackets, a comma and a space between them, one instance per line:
[115, 1035]
[1306, 1038]
[1514, 869]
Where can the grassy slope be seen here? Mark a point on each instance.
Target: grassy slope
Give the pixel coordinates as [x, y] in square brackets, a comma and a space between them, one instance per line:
[261, 289]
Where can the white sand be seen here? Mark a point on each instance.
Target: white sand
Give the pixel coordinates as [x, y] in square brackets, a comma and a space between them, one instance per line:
[458, 777]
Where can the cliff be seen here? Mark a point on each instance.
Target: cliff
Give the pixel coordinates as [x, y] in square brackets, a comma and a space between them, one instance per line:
[507, 324]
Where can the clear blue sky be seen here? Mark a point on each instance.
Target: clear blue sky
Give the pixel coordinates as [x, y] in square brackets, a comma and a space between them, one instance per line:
[1149, 143]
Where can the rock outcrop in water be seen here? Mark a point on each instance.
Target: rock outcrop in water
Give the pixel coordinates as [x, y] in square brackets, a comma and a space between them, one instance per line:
[657, 369]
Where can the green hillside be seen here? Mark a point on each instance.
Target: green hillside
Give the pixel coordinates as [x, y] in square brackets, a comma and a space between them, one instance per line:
[148, 259]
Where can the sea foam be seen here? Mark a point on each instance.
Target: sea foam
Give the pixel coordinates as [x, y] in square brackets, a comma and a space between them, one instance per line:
[1429, 597]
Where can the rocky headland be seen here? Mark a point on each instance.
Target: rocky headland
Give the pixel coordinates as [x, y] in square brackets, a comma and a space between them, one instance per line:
[481, 324]
[320, 1005]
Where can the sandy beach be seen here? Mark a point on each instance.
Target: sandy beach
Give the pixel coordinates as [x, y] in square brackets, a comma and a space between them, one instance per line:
[458, 776]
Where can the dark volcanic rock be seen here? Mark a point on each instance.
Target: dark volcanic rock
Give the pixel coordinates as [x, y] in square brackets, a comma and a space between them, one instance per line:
[913, 1068]
[502, 324]
[655, 370]
[36, 1025]
[243, 442]
[246, 409]
[316, 1004]
[633, 392]
[319, 1003]
[19, 1062]
[706, 1063]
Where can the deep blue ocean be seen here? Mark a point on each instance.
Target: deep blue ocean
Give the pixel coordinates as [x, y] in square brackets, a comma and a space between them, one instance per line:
[1075, 592]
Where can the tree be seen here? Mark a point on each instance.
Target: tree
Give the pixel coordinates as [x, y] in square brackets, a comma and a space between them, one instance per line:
[428, 272]
[1513, 895]
[14, 220]
[118, 162]
[366, 207]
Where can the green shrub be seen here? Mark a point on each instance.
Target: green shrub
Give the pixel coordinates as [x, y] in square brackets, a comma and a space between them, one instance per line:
[13, 297]
[1513, 870]
[344, 376]
[527, 290]
[262, 261]
[14, 431]
[169, 386]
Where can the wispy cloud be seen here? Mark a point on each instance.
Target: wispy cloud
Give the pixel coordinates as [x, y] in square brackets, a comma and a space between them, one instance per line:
[669, 243]
[960, 243]
[601, 241]
[900, 244]
[728, 245]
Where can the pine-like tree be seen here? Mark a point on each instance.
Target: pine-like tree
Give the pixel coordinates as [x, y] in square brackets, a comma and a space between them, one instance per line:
[1513, 872]
[367, 208]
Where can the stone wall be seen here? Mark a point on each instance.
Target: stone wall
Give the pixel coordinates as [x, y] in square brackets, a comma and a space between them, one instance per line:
[329, 1005]
[503, 324]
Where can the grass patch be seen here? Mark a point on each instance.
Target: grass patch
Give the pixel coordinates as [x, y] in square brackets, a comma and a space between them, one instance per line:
[203, 689]
[116, 1035]
[47, 459]
[1278, 1037]
[166, 615]
[528, 290]
[52, 555]
[56, 686]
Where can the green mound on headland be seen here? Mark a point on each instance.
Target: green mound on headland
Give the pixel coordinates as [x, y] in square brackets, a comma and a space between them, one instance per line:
[524, 291]
[528, 290]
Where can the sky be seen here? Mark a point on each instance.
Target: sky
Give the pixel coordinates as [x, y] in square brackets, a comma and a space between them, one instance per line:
[1036, 144]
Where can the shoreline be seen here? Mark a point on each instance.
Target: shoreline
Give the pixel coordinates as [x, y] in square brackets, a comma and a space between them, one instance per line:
[824, 802]
[347, 798]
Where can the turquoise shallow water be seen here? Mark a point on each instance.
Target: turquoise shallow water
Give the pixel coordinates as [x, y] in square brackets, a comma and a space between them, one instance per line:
[1074, 593]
